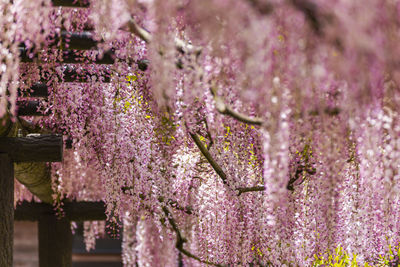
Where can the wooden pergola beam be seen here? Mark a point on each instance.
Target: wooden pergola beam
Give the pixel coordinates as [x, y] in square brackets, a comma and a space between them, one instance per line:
[34, 175]
[40, 89]
[44, 148]
[30, 155]
[71, 3]
[69, 57]
[71, 40]
[30, 108]
[73, 211]
[36, 90]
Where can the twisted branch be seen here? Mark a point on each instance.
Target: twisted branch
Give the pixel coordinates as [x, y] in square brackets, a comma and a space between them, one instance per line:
[261, 7]
[170, 202]
[209, 158]
[184, 47]
[242, 190]
[218, 168]
[181, 46]
[311, 12]
[227, 110]
[180, 240]
[139, 31]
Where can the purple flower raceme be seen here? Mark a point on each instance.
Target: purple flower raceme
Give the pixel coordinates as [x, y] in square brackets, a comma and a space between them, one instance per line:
[224, 133]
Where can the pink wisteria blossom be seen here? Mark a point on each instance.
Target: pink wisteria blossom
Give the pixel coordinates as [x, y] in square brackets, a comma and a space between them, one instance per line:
[258, 132]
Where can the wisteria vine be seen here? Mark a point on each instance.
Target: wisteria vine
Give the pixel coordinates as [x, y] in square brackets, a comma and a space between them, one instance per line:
[224, 132]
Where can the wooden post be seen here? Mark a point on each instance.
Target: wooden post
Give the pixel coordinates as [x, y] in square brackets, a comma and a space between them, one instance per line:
[6, 210]
[55, 242]
[73, 211]
[55, 235]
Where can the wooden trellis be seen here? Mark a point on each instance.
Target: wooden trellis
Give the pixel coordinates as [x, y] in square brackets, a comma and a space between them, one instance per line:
[55, 237]
[20, 149]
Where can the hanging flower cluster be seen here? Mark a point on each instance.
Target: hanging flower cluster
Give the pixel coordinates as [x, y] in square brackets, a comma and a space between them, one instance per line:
[224, 132]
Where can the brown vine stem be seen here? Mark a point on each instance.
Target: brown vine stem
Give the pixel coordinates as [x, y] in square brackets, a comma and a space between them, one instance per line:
[221, 106]
[242, 190]
[146, 36]
[173, 203]
[227, 110]
[180, 240]
[218, 168]
[139, 31]
[184, 47]
[261, 6]
[311, 12]
[209, 158]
